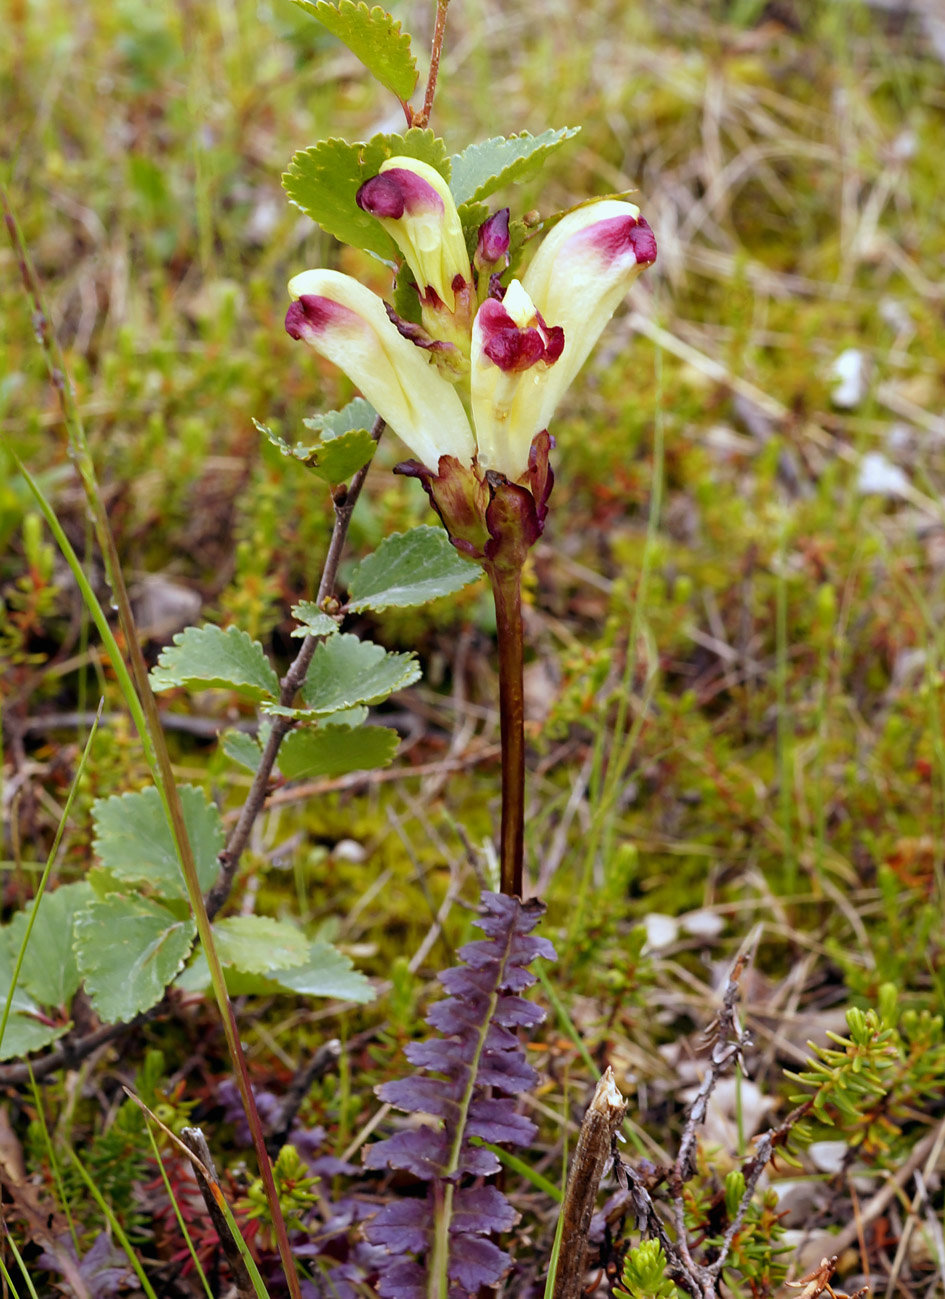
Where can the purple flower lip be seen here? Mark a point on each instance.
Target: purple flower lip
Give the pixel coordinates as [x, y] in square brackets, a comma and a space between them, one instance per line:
[613, 236]
[311, 313]
[514, 348]
[643, 241]
[396, 191]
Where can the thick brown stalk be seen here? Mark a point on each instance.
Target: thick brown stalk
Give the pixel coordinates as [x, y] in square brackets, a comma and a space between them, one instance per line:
[507, 593]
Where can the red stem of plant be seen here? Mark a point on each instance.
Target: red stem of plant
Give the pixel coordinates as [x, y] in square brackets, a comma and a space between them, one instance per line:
[507, 593]
[439, 30]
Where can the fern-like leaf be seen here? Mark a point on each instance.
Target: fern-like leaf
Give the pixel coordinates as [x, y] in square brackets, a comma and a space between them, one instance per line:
[467, 1081]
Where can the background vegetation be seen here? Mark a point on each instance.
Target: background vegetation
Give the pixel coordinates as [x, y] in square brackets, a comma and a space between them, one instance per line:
[735, 623]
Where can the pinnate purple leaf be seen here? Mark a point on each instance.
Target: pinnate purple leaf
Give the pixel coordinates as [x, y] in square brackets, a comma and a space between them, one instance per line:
[468, 983]
[475, 1262]
[506, 1071]
[422, 1151]
[403, 1280]
[499, 1038]
[477, 1161]
[517, 1012]
[478, 1056]
[421, 1096]
[403, 1226]
[443, 1055]
[496, 1121]
[455, 1017]
[482, 1209]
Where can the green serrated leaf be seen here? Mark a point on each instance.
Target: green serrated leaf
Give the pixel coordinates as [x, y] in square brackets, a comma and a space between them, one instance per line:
[26, 1028]
[314, 716]
[358, 414]
[302, 451]
[25, 1033]
[334, 751]
[259, 944]
[128, 951]
[482, 168]
[324, 180]
[346, 671]
[326, 972]
[375, 37]
[242, 748]
[202, 658]
[472, 215]
[135, 845]
[344, 446]
[336, 460]
[410, 568]
[312, 621]
[49, 971]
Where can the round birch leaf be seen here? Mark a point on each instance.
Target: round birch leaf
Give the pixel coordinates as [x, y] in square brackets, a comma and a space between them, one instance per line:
[128, 950]
[410, 568]
[258, 944]
[324, 180]
[346, 671]
[325, 973]
[482, 168]
[242, 748]
[312, 622]
[49, 971]
[203, 658]
[374, 37]
[23, 1034]
[334, 457]
[334, 751]
[336, 460]
[134, 841]
[357, 414]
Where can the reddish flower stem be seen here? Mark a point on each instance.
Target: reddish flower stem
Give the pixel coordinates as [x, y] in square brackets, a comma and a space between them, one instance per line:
[507, 594]
[423, 117]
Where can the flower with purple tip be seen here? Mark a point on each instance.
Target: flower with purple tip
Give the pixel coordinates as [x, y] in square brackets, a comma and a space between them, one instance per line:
[474, 386]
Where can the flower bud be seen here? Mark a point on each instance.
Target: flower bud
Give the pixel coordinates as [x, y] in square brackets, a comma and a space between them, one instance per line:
[492, 246]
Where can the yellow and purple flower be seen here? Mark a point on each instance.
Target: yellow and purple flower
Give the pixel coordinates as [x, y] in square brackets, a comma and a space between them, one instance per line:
[481, 379]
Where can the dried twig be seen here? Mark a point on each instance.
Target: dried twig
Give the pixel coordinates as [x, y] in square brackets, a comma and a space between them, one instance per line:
[209, 1184]
[594, 1148]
